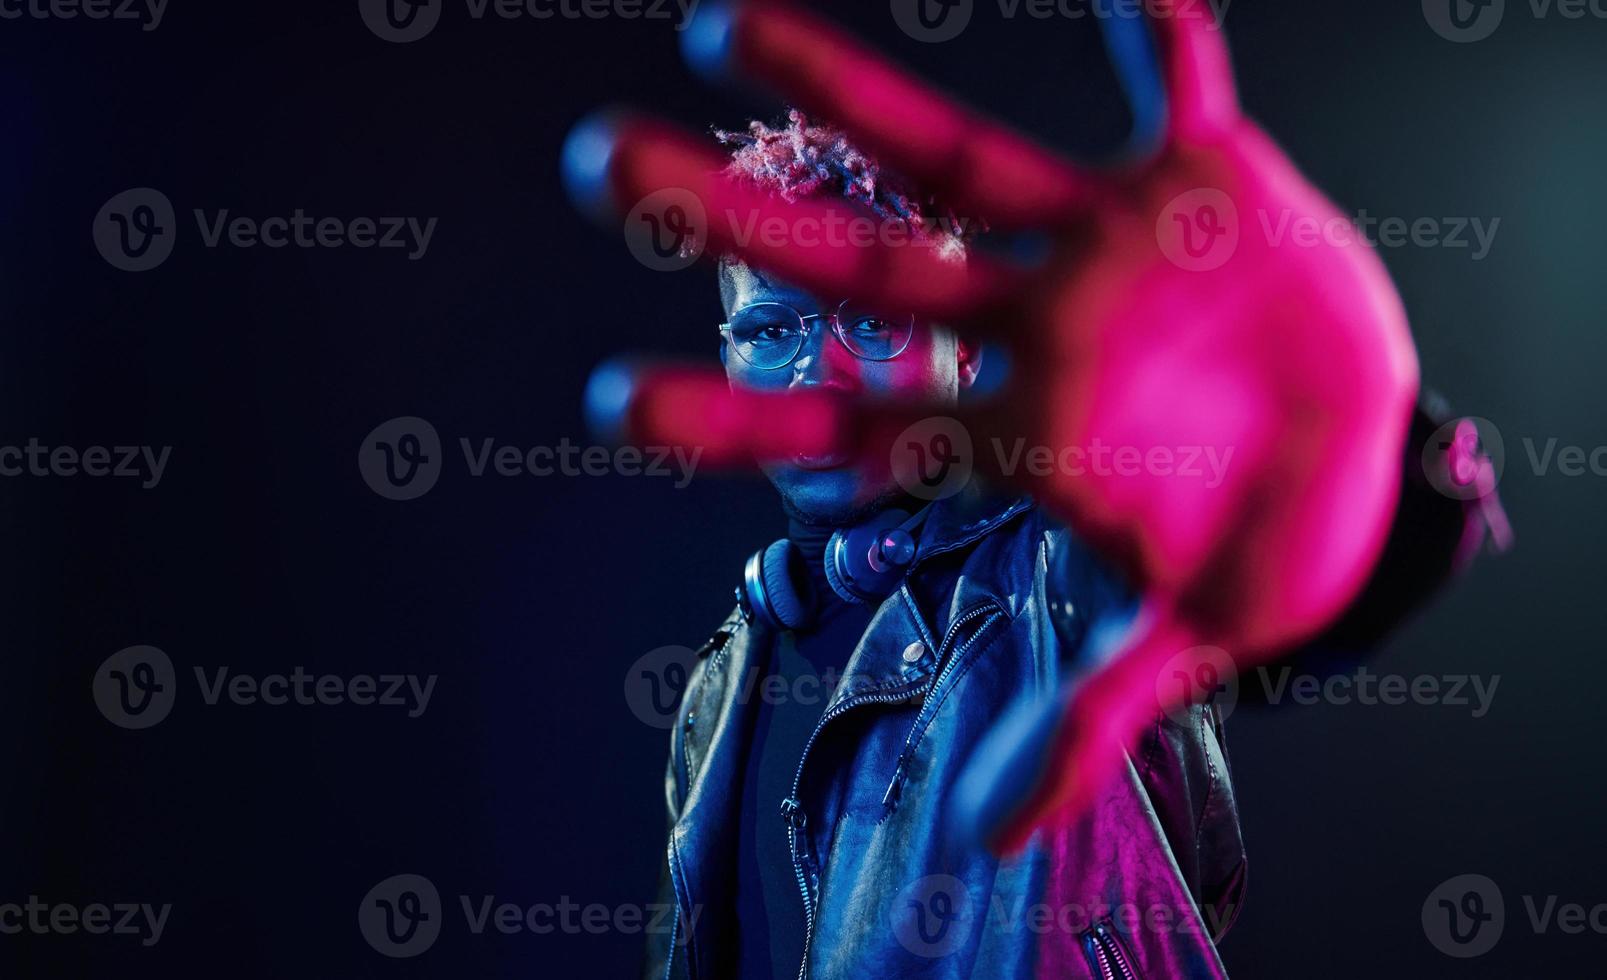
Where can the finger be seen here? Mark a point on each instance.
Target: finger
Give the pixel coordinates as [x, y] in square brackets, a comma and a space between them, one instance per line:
[617, 163]
[1202, 99]
[976, 166]
[694, 408]
[1052, 762]
[697, 408]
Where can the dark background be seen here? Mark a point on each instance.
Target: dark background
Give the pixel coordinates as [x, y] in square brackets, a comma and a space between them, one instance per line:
[529, 777]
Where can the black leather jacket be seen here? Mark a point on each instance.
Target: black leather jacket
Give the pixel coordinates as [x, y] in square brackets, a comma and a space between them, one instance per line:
[1142, 886]
[888, 893]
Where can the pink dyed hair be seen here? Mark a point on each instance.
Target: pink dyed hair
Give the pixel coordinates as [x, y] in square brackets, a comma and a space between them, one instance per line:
[809, 160]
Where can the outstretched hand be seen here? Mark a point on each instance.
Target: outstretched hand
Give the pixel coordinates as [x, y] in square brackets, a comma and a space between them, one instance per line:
[1162, 319]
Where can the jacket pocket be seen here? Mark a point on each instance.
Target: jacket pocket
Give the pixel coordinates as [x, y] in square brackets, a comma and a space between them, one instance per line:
[1107, 957]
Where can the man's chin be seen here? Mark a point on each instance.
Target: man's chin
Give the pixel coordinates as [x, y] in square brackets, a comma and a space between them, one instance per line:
[831, 496]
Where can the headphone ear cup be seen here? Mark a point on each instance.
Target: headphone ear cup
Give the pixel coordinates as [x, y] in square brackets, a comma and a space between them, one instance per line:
[786, 585]
[834, 575]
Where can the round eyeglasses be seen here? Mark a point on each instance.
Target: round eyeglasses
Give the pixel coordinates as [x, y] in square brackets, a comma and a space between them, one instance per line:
[770, 335]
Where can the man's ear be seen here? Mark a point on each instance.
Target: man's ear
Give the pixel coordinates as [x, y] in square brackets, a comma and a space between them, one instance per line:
[968, 354]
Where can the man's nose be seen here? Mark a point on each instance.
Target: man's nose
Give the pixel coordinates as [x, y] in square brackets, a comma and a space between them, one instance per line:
[823, 362]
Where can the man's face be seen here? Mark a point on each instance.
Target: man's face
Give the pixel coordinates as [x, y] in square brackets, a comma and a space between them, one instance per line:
[837, 490]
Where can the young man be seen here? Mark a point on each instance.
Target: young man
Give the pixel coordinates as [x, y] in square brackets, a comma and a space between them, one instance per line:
[840, 836]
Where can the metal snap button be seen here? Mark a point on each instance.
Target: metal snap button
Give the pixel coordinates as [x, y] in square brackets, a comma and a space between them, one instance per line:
[914, 652]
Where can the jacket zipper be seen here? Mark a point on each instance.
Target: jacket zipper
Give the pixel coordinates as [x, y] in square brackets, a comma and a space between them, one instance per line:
[895, 788]
[1105, 952]
[792, 810]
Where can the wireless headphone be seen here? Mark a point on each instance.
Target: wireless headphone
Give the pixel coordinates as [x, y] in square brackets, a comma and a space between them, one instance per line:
[863, 563]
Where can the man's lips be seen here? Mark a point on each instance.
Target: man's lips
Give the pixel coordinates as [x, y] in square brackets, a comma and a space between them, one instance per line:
[819, 461]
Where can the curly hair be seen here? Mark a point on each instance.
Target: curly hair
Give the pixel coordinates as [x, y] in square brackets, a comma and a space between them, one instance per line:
[810, 160]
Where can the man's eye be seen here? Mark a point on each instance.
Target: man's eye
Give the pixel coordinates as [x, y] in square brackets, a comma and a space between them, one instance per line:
[770, 333]
[870, 327]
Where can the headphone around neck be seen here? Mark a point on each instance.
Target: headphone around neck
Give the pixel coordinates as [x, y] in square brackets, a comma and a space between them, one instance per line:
[863, 563]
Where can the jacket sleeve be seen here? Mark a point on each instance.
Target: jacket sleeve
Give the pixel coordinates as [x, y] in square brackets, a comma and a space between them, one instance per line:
[1439, 528]
[1181, 760]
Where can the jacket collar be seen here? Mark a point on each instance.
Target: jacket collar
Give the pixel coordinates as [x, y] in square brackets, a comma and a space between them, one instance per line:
[880, 667]
[964, 518]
